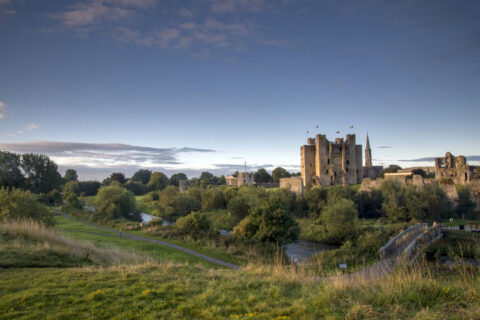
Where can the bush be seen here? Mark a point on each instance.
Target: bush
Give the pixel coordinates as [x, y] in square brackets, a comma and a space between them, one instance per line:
[195, 222]
[270, 222]
[20, 205]
[340, 221]
[71, 187]
[116, 202]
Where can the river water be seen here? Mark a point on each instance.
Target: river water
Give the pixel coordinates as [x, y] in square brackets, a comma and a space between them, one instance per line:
[146, 218]
[302, 250]
[297, 252]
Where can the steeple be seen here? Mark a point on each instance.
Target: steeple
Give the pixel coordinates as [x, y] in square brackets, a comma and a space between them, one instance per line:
[368, 154]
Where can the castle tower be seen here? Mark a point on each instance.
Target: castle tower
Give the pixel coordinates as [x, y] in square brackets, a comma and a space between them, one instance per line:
[368, 154]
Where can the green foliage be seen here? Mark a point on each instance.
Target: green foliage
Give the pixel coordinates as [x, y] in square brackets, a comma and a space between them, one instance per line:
[271, 222]
[118, 176]
[262, 176]
[238, 206]
[72, 201]
[316, 199]
[10, 174]
[19, 205]
[278, 173]
[89, 188]
[142, 175]
[195, 222]
[340, 221]
[213, 198]
[337, 193]
[465, 204]
[369, 204]
[175, 178]
[41, 173]
[158, 181]
[72, 187]
[136, 187]
[70, 175]
[116, 203]
[393, 205]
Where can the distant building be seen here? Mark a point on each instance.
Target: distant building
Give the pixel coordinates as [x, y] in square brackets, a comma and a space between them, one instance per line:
[453, 168]
[369, 170]
[326, 163]
[183, 185]
[243, 178]
[294, 184]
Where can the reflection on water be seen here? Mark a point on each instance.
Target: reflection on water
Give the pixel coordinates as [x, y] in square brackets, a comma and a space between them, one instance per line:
[224, 232]
[146, 218]
[302, 250]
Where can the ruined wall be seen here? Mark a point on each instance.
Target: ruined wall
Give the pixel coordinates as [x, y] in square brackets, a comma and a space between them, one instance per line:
[183, 185]
[453, 168]
[295, 184]
[231, 181]
[245, 178]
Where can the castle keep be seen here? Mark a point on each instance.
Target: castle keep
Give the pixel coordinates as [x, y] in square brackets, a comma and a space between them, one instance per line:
[329, 163]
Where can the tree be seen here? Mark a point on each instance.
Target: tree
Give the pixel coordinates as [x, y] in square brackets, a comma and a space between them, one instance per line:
[278, 173]
[175, 178]
[89, 188]
[10, 174]
[19, 205]
[369, 204]
[393, 205]
[158, 181]
[270, 222]
[70, 175]
[115, 202]
[238, 206]
[41, 173]
[137, 187]
[118, 176]
[465, 205]
[72, 187]
[72, 201]
[262, 176]
[195, 222]
[336, 193]
[142, 175]
[316, 199]
[340, 221]
[213, 199]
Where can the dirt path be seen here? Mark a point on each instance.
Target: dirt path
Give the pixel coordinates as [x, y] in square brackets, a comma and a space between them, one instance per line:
[163, 243]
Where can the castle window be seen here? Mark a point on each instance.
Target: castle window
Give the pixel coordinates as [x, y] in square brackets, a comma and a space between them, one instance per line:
[326, 171]
[346, 169]
[348, 162]
[328, 161]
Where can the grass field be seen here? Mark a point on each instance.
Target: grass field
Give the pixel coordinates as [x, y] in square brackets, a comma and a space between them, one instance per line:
[101, 238]
[169, 291]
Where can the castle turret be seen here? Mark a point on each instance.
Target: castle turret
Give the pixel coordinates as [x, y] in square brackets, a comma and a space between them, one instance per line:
[368, 154]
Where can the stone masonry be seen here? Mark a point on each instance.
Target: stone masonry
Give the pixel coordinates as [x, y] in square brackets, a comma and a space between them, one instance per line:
[326, 163]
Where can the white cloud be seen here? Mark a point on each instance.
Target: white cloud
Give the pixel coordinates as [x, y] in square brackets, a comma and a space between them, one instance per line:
[31, 126]
[2, 110]
[185, 13]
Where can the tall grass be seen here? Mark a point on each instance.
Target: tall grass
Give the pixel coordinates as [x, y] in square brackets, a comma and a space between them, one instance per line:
[36, 236]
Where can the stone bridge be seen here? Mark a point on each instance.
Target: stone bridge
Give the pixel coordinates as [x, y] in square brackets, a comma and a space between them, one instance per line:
[406, 247]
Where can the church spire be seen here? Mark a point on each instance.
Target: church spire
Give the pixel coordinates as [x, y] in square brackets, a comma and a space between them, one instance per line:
[368, 154]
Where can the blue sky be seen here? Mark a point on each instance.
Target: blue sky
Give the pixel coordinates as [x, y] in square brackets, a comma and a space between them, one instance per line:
[114, 85]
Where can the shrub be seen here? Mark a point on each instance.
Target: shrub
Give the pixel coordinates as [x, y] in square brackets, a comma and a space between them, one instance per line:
[340, 221]
[20, 205]
[116, 202]
[195, 222]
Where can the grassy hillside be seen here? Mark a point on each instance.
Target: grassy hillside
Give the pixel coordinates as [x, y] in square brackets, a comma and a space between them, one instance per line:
[31, 244]
[170, 291]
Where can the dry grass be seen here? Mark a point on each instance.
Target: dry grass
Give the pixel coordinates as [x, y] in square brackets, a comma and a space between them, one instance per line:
[36, 236]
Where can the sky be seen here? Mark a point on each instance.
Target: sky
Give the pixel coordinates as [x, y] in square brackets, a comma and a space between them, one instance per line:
[207, 85]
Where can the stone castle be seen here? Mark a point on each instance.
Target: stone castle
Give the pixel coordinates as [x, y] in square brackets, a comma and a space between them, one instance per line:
[327, 163]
